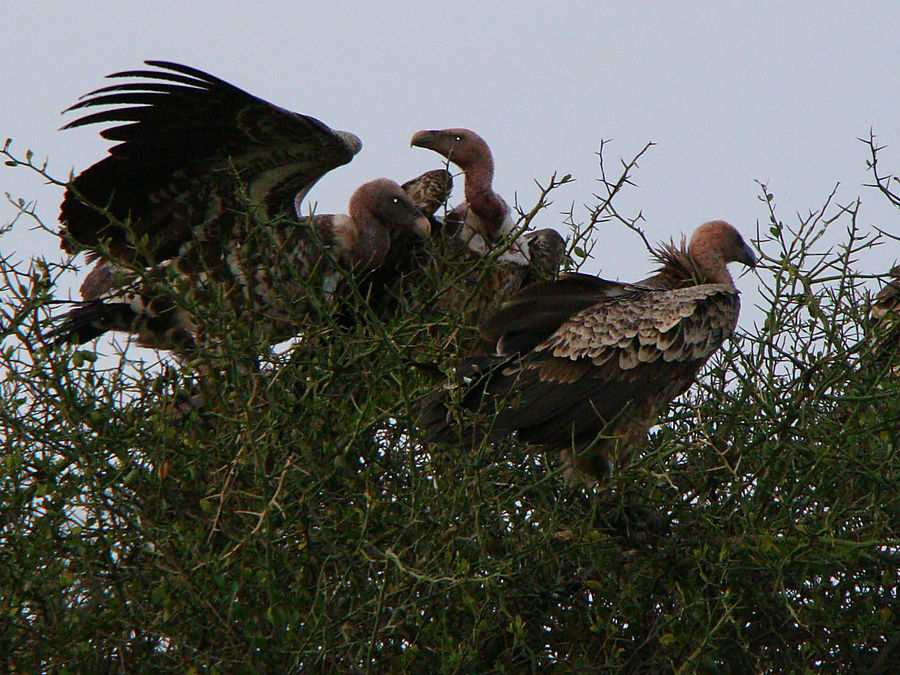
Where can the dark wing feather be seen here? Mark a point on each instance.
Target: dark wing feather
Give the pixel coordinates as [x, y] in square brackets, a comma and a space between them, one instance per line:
[186, 142]
[629, 355]
[537, 311]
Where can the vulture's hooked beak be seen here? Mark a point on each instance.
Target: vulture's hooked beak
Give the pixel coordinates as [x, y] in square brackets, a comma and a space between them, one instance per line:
[748, 256]
[424, 139]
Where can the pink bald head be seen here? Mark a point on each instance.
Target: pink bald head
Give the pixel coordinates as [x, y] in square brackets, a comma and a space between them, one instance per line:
[484, 211]
[387, 202]
[715, 244]
[379, 209]
[463, 147]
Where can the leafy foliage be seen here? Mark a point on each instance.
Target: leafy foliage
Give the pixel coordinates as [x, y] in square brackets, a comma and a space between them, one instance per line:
[291, 521]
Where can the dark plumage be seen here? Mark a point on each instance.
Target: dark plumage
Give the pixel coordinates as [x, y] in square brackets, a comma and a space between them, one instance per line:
[197, 203]
[586, 365]
[546, 252]
[193, 153]
[273, 274]
[884, 312]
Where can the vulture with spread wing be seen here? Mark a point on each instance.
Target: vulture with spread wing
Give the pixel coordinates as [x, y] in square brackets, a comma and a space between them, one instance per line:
[193, 154]
[585, 365]
[203, 190]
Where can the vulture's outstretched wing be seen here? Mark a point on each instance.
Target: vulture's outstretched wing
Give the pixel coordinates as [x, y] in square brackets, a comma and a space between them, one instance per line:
[187, 142]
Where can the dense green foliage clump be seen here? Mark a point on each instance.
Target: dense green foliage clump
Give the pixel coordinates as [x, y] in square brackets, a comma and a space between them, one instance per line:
[287, 518]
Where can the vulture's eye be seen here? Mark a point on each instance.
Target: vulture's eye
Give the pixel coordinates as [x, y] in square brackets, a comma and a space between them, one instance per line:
[396, 200]
[458, 139]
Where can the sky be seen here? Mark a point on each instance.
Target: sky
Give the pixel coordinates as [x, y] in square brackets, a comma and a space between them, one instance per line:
[731, 95]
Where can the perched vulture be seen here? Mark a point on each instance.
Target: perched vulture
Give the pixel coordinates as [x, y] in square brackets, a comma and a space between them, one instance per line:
[585, 365]
[198, 203]
[430, 191]
[885, 311]
[485, 217]
[268, 273]
[887, 300]
[483, 226]
[546, 251]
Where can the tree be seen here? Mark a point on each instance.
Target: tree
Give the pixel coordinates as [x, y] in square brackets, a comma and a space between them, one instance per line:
[293, 522]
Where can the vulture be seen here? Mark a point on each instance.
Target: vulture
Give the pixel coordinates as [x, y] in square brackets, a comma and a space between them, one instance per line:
[484, 225]
[584, 365]
[484, 217]
[268, 273]
[888, 298]
[884, 313]
[204, 185]
[430, 191]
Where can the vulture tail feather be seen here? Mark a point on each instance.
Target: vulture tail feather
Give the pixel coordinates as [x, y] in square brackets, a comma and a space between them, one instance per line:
[91, 320]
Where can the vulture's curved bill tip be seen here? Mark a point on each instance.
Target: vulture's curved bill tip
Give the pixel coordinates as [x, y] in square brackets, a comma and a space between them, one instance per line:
[749, 256]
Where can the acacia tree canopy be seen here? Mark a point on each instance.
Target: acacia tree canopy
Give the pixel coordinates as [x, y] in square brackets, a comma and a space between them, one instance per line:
[293, 522]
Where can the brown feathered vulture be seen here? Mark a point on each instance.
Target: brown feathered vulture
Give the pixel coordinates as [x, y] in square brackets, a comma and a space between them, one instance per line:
[887, 300]
[430, 191]
[271, 275]
[484, 217]
[485, 225]
[585, 365]
[885, 312]
[204, 185]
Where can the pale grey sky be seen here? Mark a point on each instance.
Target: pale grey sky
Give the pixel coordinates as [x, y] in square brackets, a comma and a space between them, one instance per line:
[769, 90]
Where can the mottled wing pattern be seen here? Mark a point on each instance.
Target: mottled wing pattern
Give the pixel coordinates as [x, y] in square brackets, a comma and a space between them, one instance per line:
[430, 191]
[626, 355]
[888, 298]
[166, 305]
[536, 312]
[186, 142]
[646, 326]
